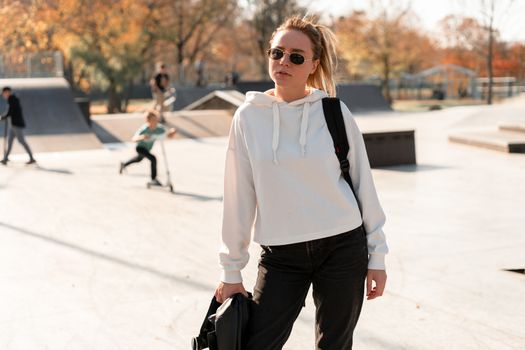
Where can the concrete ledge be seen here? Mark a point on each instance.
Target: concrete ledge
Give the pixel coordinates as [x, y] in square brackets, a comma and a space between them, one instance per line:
[516, 127]
[389, 148]
[503, 141]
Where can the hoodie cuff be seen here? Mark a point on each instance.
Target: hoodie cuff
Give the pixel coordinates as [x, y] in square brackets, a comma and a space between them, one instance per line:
[231, 276]
[376, 262]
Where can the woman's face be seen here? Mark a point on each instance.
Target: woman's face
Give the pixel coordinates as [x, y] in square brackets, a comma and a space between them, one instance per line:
[283, 72]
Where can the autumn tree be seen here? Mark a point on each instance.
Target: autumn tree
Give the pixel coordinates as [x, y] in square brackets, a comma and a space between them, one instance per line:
[491, 14]
[191, 26]
[468, 42]
[110, 38]
[385, 44]
[235, 52]
[350, 34]
[517, 60]
[463, 42]
[25, 27]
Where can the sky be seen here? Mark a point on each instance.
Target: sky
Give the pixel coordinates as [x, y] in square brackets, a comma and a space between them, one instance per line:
[510, 20]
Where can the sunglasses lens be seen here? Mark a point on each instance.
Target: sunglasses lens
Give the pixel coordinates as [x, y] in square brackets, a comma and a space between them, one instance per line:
[296, 58]
[275, 54]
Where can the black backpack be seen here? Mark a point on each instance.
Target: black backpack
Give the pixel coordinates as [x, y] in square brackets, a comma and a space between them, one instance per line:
[336, 125]
[224, 324]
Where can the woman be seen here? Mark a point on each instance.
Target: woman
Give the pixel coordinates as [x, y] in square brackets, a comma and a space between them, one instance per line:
[281, 170]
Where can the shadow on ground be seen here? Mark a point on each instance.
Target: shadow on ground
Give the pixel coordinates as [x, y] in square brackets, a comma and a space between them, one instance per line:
[412, 168]
[198, 196]
[109, 258]
[51, 170]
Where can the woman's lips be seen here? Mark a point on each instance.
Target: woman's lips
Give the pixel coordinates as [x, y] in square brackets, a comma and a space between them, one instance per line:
[283, 74]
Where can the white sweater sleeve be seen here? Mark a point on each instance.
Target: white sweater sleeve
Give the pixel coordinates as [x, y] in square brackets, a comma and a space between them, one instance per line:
[361, 175]
[239, 206]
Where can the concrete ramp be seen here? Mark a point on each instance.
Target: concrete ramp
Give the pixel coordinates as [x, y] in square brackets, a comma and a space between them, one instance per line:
[248, 85]
[112, 128]
[186, 95]
[362, 98]
[219, 99]
[54, 121]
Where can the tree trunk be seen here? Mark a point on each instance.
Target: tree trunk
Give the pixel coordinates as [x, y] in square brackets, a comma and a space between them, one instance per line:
[489, 65]
[68, 74]
[386, 78]
[128, 96]
[180, 62]
[263, 62]
[490, 55]
[114, 103]
[180, 44]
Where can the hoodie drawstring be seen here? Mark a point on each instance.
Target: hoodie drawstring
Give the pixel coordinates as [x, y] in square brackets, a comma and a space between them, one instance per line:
[304, 127]
[276, 125]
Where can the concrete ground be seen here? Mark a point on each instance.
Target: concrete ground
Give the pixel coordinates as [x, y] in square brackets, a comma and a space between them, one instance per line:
[93, 260]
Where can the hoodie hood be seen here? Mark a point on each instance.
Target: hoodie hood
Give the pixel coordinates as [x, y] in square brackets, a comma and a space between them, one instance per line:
[269, 100]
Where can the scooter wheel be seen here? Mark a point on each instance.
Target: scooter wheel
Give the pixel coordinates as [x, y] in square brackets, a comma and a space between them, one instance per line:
[171, 188]
[148, 186]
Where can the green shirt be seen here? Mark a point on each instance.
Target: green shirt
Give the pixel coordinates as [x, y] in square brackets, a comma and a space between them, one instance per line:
[153, 134]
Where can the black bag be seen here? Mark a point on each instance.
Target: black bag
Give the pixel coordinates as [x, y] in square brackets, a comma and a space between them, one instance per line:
[336, 125]
[224, 324]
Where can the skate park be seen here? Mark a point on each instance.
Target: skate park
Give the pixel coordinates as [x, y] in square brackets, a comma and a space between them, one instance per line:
[110, 231]
[94, 260]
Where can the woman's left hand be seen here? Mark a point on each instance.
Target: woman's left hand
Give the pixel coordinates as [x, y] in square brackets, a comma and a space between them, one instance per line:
[379, 277]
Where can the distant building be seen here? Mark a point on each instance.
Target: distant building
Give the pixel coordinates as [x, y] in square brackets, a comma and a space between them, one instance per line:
[450, 81]
[443, 81]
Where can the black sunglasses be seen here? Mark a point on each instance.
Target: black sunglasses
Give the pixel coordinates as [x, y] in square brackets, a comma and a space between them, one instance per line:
[295, 58]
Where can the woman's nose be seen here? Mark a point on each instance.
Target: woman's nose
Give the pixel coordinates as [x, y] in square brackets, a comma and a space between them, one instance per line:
[285, 59]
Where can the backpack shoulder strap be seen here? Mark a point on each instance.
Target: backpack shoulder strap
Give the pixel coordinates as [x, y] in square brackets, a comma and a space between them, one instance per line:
[336, 125]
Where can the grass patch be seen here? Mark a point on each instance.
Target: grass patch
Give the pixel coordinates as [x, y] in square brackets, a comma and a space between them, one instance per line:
[425, 105]
[100, 106]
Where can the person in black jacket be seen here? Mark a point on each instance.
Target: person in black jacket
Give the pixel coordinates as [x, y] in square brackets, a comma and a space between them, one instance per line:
[17, 125]
[159, 86]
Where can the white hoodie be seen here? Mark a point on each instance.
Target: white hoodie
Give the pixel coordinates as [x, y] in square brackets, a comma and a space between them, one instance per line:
[281, 169]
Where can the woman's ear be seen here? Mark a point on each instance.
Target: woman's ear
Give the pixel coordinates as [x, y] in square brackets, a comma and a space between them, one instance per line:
[316, 63]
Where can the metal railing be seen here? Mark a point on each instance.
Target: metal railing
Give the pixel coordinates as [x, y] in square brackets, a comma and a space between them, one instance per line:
[32, 65]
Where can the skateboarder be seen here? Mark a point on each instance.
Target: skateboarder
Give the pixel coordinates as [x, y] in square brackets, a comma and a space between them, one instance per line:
[145, 138]
[17, 125]
[159, 86]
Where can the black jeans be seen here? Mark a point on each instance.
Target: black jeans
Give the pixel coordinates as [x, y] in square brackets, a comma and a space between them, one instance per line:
[144, 153]
[335, 266]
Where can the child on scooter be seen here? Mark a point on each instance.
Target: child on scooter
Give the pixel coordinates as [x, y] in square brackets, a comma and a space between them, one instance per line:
[145, 137]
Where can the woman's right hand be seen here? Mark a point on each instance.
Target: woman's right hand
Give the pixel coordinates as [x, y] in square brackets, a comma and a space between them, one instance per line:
[226, 290]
